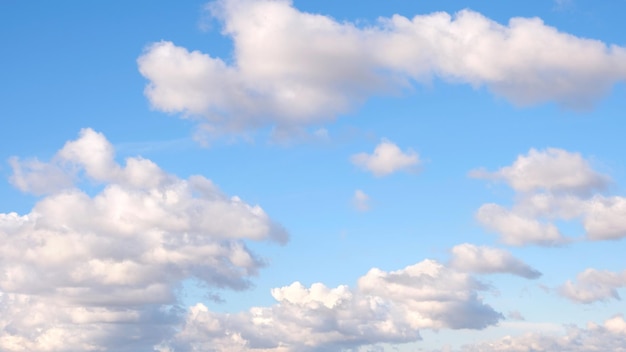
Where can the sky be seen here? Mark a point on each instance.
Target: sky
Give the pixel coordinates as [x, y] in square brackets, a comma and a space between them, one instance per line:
[277, 176]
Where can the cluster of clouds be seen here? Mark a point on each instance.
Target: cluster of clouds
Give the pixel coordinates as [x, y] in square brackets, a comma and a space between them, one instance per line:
[557, 185]
[550, 185]
[292, 69]
[99, 261]
[385, 307]
[100, 269]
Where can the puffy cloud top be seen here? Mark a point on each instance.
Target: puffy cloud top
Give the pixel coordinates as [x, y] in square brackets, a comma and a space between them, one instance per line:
[82, 272]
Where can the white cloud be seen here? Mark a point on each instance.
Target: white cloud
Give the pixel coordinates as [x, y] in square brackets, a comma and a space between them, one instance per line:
[610, 336]
[604, 218]
[386, 159]
[386, 307]
[550, 170]
[292, 68]
[34, 176]
[553, 185]
[101, 272]
[482, 259]
[517, 230]
[594, 285]
[361, 201]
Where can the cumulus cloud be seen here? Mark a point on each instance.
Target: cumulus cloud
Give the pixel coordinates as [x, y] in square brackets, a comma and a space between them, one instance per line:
[100, 272]
[594, 285]
[552, 184]
[604, 218]
[482, 259]
[386, 159]
[361, 200]
[385, 307]
[551, 169]
[610, 336]
[291, 68]
[517, 230]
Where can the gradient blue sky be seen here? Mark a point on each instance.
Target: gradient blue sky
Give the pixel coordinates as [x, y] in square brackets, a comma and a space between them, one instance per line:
[77, 66]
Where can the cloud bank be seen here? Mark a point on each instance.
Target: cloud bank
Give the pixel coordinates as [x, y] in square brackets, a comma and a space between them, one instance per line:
[291, 69]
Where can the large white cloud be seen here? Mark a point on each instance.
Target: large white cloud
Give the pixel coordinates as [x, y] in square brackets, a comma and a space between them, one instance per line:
[594, 285]
[292, 68]
[386, 307]
[552, 184]
[101, 272]
[482, 259]
[386, 159]
[610, 336]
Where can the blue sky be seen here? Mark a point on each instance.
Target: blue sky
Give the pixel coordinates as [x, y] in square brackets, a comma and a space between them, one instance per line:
[266, 175]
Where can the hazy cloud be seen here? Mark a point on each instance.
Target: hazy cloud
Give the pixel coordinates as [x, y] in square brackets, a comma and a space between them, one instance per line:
[361, 200]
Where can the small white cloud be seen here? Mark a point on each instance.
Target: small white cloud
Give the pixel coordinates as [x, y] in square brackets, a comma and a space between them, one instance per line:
[386, 159]
[594, 285]
[361, 201]
[551, 170]
[516, 229]
[480, 259]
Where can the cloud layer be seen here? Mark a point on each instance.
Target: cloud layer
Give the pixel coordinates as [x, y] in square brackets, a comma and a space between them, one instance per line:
[91, 272]
[291, 68]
